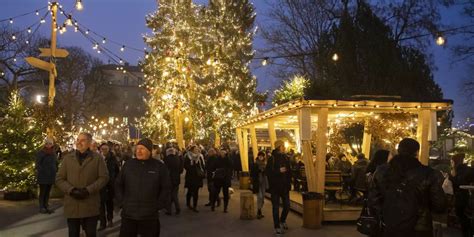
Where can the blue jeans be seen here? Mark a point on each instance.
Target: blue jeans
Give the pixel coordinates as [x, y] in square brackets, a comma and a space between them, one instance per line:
[285, 198]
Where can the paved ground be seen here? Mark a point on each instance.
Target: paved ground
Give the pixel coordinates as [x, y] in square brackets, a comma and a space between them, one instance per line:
[22, 219]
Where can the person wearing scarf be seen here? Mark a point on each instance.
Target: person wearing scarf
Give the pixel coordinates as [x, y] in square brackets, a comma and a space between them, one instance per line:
[194, 165]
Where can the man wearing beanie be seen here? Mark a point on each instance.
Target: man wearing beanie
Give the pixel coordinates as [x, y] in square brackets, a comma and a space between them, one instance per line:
[405, 192]
[142, 189]
[461, 174]
[279, 179]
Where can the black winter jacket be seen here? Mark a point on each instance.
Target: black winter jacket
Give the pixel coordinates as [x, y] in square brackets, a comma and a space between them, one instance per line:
[359, 179]
[175, 166]
[464, 176]
[225, 164]
[431, 199]
[279, 182]
[46, 167]
[143, 188]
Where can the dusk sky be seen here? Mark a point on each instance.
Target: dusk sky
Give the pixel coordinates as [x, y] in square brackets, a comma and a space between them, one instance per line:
[124, 21]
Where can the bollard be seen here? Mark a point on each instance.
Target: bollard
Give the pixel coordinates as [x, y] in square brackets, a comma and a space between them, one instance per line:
[312, 210]
[244, 180]
[247, 205]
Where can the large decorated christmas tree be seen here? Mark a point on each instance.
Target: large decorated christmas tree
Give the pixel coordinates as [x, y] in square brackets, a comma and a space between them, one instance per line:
[197, 74]
[20, 138]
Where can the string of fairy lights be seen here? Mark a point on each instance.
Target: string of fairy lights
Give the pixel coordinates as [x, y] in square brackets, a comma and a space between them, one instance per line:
[99, 44]
[99, 40]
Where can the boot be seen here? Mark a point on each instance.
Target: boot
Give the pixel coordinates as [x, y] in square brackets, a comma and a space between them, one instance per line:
[259, 214]
[226, 203]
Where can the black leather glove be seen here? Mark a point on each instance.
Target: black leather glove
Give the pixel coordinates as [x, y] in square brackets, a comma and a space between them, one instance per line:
[84, 193]
[76, 194]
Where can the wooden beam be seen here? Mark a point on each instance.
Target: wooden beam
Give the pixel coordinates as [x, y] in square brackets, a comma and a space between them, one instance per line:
[244, 157]
[424, 120]
[272, 133]
[366, 140]
[321, 149]
[298, 140]
[304, 118]
[253, 139]
[238, 132]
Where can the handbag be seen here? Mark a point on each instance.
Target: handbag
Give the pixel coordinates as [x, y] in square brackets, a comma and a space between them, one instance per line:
[368, 223]
[448, 186]
[200, 172]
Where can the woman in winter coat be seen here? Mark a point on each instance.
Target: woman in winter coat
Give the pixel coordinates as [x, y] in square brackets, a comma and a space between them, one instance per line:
[259, 181]
[46, 168]
[194, 165]
[221, 171]
[461, 174]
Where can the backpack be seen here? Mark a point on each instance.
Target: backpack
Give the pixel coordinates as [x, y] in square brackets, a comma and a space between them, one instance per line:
[401, 204]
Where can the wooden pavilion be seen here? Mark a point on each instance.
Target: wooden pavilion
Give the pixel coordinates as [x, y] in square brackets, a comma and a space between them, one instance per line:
[311, 117]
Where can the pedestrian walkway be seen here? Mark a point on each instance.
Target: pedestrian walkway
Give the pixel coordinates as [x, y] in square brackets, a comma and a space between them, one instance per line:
[205, 223]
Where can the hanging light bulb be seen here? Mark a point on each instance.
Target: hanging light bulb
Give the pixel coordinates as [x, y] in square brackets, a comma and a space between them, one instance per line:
[121, 61]
[96, 45]
[123, 48]
[29, 30]
[335, 57]
[27, 42]
[104, 41]
[209, 62]
[11, 21]
[76, 29]
[42, 21]
[265, 62]
[14, 60]
[87, 32]
[98, 51]
[440, 40]
[79, 5]
[13, 37]
[69, 20]
[37, 13]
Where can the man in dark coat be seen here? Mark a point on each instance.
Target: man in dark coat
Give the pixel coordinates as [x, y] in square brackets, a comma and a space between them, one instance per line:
[46, 168]
[142, 189]
[278, 171]
[221, 173]
[461, 174]
[404, 183]
[107, 193]
[175, 166]
[358, 177]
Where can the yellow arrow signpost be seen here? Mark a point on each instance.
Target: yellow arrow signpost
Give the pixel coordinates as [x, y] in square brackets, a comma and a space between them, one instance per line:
[50, 66]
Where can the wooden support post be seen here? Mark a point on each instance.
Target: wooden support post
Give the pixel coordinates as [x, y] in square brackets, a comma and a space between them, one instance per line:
[253, 139]
[217, 139]
[245, 153]
[272, 133]
[366, 140]
[321, 149]
[424, 120]
[178, 125]
[304, 118]
[298, 140]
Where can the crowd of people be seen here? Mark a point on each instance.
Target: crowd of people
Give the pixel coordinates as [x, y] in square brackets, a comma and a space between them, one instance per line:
[143, 178]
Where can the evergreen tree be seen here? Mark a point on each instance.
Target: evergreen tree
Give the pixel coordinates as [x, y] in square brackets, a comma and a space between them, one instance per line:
[290, 90]
[198, 68]
[371, 62]
[227, 85]
[168, 68]
[20, 137]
